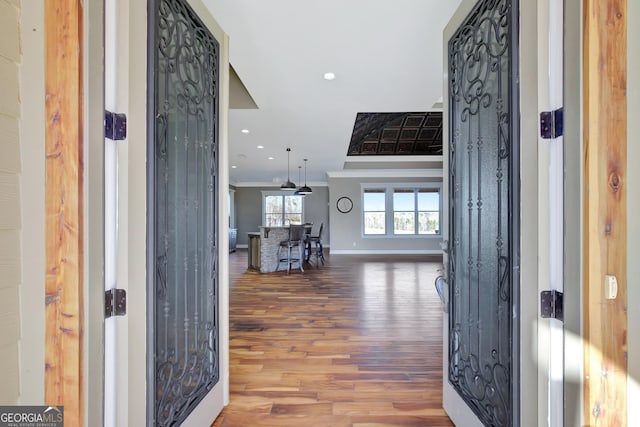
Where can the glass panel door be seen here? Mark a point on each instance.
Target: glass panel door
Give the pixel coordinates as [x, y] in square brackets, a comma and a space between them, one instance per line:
[183, 212]
[483, 212]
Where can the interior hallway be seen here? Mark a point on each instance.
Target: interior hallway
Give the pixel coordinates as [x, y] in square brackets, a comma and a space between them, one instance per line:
[354, 343]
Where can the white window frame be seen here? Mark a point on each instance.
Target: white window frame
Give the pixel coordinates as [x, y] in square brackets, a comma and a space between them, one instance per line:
[416, 191]
[389, 212]
[265, 194]
[385, 211]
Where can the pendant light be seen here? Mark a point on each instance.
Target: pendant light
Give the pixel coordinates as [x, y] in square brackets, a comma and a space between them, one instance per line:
[288, 186]
[298, 193]
[305, 189]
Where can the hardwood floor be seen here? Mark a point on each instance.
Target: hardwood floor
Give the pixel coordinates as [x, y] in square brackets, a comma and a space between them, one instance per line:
[355, 343]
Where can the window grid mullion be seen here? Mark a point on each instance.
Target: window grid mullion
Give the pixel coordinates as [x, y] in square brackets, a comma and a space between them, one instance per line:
[416, 214]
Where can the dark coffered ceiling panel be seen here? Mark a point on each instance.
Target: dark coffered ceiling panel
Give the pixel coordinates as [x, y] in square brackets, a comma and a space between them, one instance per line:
[396, 134]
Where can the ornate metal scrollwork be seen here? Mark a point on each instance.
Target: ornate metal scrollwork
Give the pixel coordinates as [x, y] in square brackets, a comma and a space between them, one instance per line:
[185, 324]
[480, 315]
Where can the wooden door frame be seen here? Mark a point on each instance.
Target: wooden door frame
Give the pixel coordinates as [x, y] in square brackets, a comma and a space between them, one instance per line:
[605, 210]
[64, 208]
[74, 208]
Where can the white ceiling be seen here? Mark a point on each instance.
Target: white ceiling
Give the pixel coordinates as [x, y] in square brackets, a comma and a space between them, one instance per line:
[386, 54]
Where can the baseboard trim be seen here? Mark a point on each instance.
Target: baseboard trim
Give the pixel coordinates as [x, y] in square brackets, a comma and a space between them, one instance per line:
[246, 246]
[386, 252]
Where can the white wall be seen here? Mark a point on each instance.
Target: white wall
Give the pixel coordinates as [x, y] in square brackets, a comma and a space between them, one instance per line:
[10, 212]
[633, 207]
[346, 228]
[249, 210]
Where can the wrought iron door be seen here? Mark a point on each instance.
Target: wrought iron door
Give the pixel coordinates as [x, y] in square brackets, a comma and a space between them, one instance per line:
[183, 192]
[484, 211]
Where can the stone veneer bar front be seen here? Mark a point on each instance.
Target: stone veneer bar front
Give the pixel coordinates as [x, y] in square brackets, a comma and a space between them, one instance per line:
[270, 238]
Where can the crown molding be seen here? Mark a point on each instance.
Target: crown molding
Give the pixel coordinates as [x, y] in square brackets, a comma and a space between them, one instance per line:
[387, 173]
[275, 184]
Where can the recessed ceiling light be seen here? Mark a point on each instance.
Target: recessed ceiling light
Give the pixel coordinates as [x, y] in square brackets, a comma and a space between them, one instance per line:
[260, 147]
[270, 157]
[233, 166]
[329, 76]
[245, 131]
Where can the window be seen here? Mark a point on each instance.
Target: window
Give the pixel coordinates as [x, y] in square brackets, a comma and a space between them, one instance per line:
[409, 210]
[374, 211]
[281, 209]
[428, 211]
[404, 211]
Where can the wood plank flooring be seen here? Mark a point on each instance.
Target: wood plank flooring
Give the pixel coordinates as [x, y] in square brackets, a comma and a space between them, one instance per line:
[356, 343]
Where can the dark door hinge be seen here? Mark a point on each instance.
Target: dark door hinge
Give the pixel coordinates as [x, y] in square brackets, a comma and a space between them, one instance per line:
[552, 305]
[115, 126]
[551, 124]
[115, 303]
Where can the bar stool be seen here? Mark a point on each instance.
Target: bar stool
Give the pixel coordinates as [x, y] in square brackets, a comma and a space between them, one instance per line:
[307, 233]
[317, 250]
[295, 240]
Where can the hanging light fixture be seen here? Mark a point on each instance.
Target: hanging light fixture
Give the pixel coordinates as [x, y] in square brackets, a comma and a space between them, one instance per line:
[305, 189]
[288, 186]
[297, 193]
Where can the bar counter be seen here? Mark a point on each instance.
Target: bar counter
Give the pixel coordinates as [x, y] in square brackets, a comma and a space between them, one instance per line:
[266, 243]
